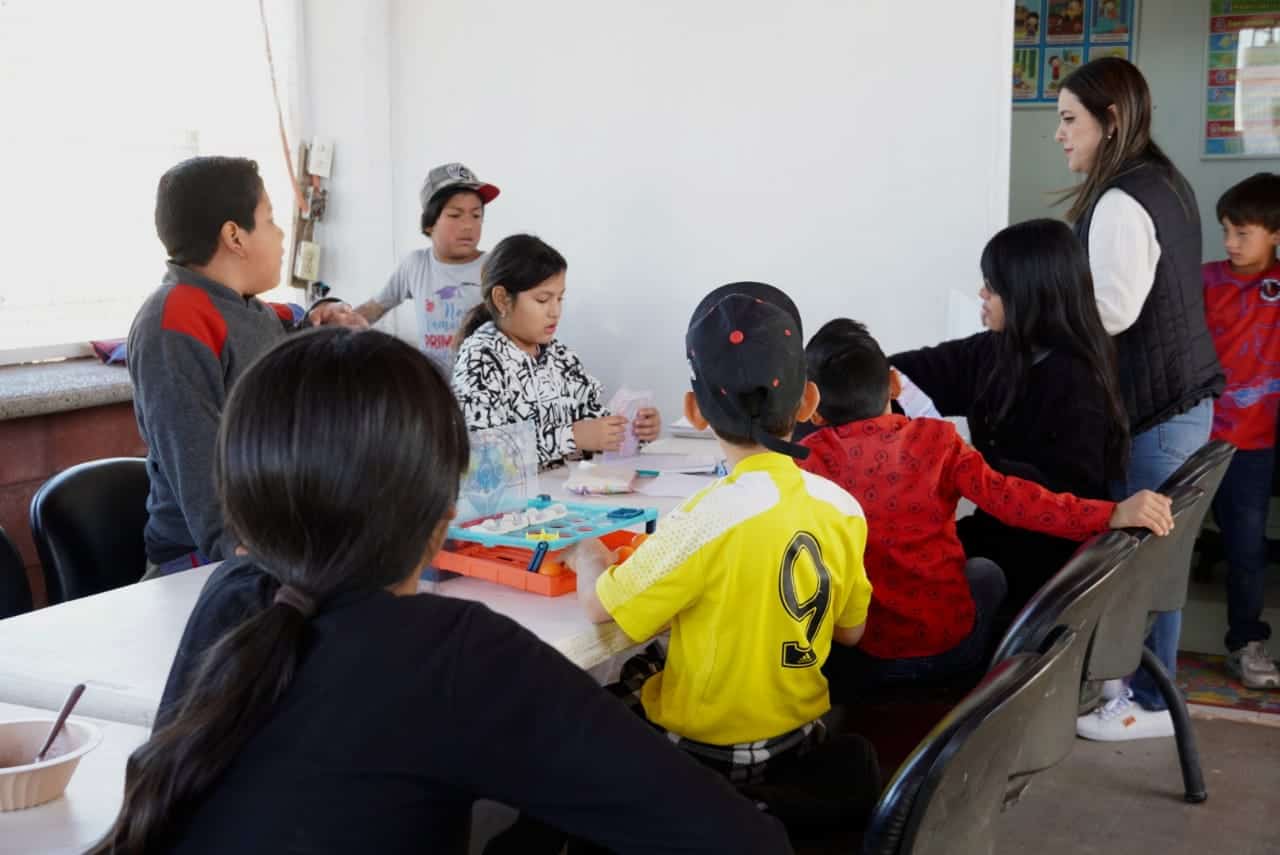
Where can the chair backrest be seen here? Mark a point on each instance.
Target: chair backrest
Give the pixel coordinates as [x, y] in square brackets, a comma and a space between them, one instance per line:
[88, 526]
[1140, 589]
[15, 591]
[1202, 471]
[1073, 599]
[945, 796]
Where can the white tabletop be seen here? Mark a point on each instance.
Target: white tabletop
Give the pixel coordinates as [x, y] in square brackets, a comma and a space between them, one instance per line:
[90, 804]
[121, 643]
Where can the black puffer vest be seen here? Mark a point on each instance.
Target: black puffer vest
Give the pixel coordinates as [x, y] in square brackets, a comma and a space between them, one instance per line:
[1167, 361]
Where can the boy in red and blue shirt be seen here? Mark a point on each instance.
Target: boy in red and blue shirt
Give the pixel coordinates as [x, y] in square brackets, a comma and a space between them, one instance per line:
[1242, 305]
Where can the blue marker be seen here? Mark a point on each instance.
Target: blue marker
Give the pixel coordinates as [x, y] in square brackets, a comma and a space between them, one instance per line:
[538, 554]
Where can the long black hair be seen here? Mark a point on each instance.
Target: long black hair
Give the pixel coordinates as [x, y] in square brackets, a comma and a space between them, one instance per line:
[319, 430]
[1041, 273]
[518, 263]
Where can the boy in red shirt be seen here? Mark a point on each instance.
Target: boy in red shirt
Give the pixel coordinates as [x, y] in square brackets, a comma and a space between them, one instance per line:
[931, 610]
[1242, 305]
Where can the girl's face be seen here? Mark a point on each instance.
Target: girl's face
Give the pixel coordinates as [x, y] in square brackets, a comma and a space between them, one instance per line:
[992, 309]
[1079, 133]
[531, 319]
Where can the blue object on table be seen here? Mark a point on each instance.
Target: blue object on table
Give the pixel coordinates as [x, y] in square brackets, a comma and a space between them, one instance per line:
[535, 563]
[581, 522]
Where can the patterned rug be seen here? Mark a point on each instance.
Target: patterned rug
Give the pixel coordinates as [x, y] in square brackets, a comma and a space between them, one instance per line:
[1205, 680]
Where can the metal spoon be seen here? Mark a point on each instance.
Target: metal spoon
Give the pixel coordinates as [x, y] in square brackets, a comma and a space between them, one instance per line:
[67, 707]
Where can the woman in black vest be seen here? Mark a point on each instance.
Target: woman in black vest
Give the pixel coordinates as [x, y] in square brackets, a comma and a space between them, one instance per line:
[1137, 218]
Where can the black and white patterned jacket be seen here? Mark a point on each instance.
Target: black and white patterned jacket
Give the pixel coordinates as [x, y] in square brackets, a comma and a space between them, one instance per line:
[498, 384]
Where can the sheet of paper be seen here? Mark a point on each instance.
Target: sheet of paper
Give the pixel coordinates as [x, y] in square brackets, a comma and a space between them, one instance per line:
[692, 463]
[682, 427]
[672, 484]
[628, 402]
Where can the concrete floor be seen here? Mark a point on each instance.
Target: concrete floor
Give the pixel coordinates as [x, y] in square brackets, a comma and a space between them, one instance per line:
[1120, 798]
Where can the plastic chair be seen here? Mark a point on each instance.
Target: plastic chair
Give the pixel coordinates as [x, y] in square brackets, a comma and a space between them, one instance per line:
[945, 797]
[1153, 580]
[15, 591]
[1074, 599]
[88, 524]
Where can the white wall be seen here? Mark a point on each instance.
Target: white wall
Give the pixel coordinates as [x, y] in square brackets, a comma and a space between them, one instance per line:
[347, 96]
[837, 150]
[1171, 37]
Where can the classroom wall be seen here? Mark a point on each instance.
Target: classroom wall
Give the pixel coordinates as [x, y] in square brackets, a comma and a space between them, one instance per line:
[347, 97]
[843, 151]
[1171, 46]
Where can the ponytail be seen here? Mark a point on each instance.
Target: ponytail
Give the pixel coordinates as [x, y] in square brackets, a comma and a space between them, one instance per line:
[238, 682]
[480, 315]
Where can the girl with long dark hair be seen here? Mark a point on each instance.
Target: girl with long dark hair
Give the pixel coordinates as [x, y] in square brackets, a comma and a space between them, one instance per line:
[511, 367]
[1139, 222]
[1038, 389]
[319, 704]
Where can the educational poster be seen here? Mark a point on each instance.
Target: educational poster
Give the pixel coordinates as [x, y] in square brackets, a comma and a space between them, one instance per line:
[1026, 73]
[1110, 21]
[1059, 36]
[1242, 73]
[1099, 51]
[1065, 21]
[1059, 62]
[1027, 18]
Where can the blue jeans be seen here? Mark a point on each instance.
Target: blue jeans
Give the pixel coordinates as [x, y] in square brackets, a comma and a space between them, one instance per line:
[1240, 507]
[851, 668]
[1157, 454]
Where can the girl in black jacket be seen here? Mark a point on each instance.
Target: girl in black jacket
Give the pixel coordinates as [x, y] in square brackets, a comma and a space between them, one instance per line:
[1038, 390]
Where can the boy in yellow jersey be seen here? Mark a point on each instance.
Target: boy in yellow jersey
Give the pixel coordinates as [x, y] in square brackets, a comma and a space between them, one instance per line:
[757, 574]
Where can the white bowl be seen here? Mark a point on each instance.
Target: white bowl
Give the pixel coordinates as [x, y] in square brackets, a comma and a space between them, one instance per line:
[24, 784]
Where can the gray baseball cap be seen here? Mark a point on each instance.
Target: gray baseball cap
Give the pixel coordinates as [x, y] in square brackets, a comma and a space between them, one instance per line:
[451, 175]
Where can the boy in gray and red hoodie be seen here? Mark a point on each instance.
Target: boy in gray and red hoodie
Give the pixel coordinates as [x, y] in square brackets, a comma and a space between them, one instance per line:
[196, 334]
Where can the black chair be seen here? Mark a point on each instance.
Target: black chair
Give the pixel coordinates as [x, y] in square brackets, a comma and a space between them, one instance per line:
[1072, 599]
[15, 591]
[88, 526]
[945, 797]
[1154, 579]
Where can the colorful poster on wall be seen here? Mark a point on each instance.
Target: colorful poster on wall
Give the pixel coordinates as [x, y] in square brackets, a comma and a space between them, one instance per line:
[1052, 38]
[1058, 63]
[1028, 16]
[1242, 73]
[1026, 73]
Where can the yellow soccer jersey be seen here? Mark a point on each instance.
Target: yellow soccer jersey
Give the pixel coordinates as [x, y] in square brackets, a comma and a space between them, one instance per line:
[752, 573]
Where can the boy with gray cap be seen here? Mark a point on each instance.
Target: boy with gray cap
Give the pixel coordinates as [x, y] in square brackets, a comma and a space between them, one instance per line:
[443, 279]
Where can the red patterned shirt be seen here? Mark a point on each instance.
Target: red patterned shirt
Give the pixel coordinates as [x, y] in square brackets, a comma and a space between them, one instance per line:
[909, 476]
[1244, 319]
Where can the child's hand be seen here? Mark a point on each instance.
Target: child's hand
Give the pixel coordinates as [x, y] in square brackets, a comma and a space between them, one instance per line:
[341, 314]
[602, 434]
[587, 555]
[1144, 509]
[647, 424]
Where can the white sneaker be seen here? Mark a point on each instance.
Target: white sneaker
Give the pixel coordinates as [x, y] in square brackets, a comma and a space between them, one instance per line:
[1253, 667]
[1120, 719]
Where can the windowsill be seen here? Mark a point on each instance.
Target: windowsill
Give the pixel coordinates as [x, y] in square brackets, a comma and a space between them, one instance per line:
[55, 387]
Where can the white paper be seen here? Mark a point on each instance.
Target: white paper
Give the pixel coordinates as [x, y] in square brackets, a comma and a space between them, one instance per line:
[629, 403]
[671, 484]
[692, 463]
[682, 427]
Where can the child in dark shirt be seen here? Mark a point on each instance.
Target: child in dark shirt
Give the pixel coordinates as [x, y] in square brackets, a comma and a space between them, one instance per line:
[320, 704]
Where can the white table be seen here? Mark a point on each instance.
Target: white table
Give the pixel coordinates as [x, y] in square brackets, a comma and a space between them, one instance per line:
[86, 810]
[122, 643]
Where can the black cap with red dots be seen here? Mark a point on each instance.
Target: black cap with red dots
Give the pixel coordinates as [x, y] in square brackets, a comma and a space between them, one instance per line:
[746, 360]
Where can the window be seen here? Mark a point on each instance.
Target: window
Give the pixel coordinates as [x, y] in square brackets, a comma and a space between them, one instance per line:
[97, 100]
